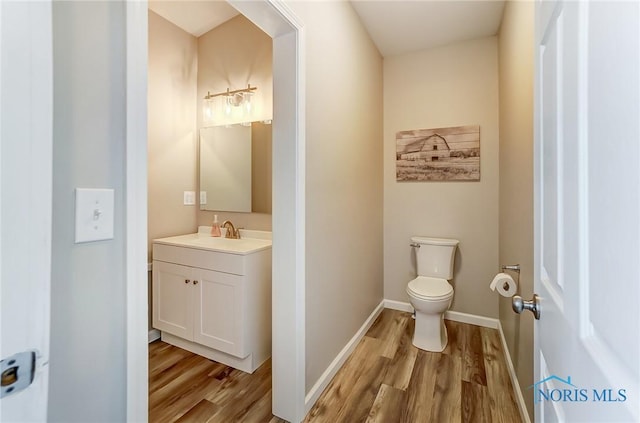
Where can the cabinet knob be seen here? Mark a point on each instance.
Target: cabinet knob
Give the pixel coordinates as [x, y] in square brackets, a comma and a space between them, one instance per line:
[195, 282]
[187, 281]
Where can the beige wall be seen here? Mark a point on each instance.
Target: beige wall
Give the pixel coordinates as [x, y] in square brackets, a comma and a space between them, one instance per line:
[172, 142]
[181, 70]
[233, 55]
[516, 178]
[448, 86]
[343, 179]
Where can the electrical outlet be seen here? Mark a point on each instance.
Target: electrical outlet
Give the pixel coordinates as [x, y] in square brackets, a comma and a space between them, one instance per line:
[189, 198]
[203, 197]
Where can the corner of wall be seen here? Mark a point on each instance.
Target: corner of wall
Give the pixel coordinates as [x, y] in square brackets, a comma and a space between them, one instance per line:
[172, 139]
[516, 178]
[343, 180]
[231, 56]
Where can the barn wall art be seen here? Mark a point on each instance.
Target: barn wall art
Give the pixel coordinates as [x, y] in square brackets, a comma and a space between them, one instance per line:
[439, 154]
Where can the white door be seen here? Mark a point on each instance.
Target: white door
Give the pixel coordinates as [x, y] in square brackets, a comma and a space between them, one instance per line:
[587, 211]
[26, 111]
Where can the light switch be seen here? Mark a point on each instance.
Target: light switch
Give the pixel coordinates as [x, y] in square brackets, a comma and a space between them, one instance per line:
[94, 214]
[203, 197]
[189, 198]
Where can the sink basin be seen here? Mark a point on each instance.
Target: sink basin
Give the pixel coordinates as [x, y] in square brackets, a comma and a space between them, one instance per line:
[250, 242]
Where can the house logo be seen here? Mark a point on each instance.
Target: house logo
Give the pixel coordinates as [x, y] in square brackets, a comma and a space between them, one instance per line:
[557, 389]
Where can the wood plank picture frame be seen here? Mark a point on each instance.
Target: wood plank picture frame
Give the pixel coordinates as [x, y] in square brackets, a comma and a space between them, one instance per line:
[438, 154]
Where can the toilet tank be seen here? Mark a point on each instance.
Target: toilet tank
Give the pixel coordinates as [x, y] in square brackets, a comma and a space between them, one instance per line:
[435, 256]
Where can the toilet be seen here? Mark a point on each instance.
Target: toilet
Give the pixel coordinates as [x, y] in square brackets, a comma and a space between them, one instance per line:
[430, 293]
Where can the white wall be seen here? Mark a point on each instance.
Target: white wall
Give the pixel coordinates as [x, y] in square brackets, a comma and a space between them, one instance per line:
[172, 135]
[448, 86]
[343, 179]
[516, 42]
[88, 333]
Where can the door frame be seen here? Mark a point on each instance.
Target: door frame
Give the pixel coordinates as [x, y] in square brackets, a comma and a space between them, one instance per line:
[288, 301]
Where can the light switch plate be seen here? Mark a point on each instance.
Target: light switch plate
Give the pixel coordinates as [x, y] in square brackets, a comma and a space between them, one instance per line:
[189, 198]
[94, 214]
[203, 197]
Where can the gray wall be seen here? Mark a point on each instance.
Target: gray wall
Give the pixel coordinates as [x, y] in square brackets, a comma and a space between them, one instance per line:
[87, 381]
[516, 179]
[343, 179]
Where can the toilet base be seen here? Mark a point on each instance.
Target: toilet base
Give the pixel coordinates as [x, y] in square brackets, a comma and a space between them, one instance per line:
[430, 333]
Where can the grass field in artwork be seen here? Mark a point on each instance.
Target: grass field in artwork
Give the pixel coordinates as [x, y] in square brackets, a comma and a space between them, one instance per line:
[454, 169]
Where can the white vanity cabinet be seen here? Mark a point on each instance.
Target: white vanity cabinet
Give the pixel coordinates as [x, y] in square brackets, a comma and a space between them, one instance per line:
[213, 300]
[199, 305]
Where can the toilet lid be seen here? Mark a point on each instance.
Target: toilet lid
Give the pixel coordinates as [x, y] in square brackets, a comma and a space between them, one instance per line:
[430, 288]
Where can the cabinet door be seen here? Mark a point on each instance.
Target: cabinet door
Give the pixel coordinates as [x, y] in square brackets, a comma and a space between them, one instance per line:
[218, 312]
[172, 299]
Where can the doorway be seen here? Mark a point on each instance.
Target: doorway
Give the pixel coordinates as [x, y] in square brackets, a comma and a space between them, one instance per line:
[288, 207]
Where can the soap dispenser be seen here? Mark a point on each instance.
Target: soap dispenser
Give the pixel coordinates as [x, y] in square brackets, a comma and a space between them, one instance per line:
[215, 227]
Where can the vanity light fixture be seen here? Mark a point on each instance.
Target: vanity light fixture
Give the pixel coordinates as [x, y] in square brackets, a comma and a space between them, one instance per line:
[232, 99]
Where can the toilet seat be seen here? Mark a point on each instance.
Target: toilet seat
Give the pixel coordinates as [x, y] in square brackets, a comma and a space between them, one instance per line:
[429, 289]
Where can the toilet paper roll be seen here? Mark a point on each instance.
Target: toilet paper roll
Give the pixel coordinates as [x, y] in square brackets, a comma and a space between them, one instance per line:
[504, 284]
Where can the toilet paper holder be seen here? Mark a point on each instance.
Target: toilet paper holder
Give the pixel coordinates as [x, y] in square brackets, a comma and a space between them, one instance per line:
[517, 303]
[513, 267]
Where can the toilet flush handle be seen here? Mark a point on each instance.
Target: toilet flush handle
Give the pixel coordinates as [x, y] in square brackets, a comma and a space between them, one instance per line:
[414, 245]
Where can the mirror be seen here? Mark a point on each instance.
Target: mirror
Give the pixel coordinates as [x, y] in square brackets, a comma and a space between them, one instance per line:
[235, 168]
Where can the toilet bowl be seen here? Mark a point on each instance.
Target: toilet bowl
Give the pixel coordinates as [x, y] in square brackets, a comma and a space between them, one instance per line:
[430, 297]
[430, 293]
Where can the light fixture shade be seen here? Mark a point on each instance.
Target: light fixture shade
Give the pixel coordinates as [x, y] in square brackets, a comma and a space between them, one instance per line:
[248, 106]
[228, 105]
[207, 110]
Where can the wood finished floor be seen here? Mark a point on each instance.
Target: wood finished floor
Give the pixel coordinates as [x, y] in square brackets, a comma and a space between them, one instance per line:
[185, 387]
[385, 380]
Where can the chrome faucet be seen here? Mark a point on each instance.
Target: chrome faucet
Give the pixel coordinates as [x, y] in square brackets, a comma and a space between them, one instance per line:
[232, 232]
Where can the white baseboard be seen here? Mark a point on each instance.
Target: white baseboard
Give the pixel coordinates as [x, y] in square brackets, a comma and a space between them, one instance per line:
[398, 305]
[514, 378]
[154, 335]
[472, 319]
[455, 316]
[326, 377]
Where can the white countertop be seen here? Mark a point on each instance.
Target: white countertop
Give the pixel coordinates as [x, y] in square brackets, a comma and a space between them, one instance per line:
[250, 241]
